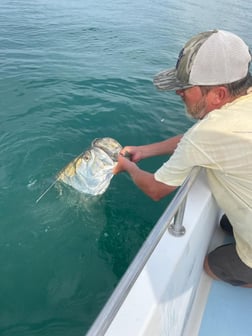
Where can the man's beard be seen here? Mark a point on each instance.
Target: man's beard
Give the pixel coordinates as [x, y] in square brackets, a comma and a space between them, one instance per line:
[198, 110]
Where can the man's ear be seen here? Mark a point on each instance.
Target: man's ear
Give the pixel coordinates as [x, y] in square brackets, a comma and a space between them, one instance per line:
[220, 95]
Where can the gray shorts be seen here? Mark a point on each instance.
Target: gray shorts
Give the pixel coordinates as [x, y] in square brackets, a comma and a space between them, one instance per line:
[225, 263]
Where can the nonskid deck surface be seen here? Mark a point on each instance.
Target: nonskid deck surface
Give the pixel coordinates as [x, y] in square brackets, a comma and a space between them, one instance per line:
[228, 311]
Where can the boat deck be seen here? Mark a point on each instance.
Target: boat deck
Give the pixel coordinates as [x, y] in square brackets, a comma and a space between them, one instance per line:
[228, 311]
[225, 310]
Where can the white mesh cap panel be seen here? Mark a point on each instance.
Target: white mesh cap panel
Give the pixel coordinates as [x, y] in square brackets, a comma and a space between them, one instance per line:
[223, 58]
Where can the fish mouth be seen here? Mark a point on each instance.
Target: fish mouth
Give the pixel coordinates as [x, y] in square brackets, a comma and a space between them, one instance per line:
[109, 145]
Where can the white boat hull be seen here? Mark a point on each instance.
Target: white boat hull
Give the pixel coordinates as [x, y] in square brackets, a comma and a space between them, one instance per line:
[160, 300]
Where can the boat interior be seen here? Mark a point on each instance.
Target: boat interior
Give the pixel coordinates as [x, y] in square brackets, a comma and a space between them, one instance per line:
[165, 290]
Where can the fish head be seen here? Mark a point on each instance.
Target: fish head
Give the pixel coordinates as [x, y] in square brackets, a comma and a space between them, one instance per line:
[92, 171]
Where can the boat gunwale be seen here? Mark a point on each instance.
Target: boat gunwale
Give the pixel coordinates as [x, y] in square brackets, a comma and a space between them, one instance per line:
[115, 301]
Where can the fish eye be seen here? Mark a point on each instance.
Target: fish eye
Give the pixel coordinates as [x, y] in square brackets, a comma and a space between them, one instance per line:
[87, 155]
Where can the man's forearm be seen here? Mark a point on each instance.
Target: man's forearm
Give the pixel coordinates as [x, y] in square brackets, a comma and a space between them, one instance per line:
[161, 148]
[147, 183]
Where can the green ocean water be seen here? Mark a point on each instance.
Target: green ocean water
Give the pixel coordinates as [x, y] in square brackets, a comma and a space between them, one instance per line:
[72, 71]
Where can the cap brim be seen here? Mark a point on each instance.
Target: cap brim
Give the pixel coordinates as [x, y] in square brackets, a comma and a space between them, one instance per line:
[167, 80]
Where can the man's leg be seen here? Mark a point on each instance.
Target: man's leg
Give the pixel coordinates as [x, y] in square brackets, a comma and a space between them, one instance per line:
[224, 264]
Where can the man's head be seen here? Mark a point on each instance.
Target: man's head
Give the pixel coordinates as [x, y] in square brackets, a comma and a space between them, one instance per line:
[212, 69]
[210, 58]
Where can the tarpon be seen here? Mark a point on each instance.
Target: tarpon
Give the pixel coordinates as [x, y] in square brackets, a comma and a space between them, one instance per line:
[91, 171]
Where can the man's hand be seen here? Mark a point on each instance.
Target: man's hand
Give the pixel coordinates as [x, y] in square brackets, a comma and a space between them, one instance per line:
[134, 153]
[124, 164]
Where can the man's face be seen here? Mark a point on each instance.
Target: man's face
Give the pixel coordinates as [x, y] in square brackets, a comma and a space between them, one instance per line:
[195, 102]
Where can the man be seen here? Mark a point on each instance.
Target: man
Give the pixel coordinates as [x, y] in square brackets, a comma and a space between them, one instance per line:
[212, 77]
